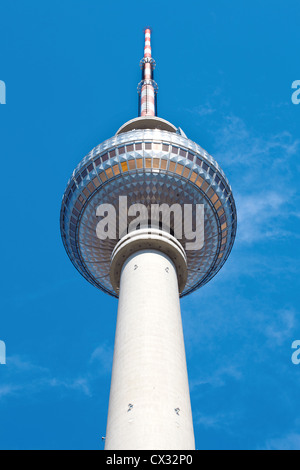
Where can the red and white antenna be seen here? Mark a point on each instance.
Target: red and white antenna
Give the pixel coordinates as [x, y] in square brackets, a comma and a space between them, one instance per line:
[147, 88]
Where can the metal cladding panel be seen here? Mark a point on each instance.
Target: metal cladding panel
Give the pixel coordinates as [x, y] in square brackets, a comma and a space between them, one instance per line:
[148, 166]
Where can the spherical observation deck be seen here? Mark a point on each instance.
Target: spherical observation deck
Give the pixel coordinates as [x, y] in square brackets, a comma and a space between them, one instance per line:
[150, 162]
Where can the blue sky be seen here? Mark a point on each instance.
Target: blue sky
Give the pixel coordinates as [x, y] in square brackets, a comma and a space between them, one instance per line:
[225, 71]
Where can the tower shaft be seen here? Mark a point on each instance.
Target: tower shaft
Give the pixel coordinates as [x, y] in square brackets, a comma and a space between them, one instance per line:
[149, 406]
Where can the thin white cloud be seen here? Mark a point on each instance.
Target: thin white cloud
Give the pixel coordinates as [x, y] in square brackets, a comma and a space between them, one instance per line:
[265, 190]
[102, 357]
[16, 363]
[258, 168]
[23, 376]
[80, 384]
[203, 110]
[282, 326]
[237, 144]
[263, 216]
[221, 421]
[218, 378]
[8, 389]
[289, 442]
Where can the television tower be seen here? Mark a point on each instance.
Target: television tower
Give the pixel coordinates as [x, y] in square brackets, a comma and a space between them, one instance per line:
[149, 161]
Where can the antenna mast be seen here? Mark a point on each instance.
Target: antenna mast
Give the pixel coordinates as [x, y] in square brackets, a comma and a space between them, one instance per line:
[147, 88]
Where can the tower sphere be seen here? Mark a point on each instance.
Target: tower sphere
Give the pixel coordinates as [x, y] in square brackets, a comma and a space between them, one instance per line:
[149, 161]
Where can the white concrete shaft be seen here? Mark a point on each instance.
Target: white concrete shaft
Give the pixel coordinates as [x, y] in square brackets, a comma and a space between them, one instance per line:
[149, 406]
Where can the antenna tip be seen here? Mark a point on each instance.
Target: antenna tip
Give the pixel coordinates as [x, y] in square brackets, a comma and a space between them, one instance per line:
[147, 30]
